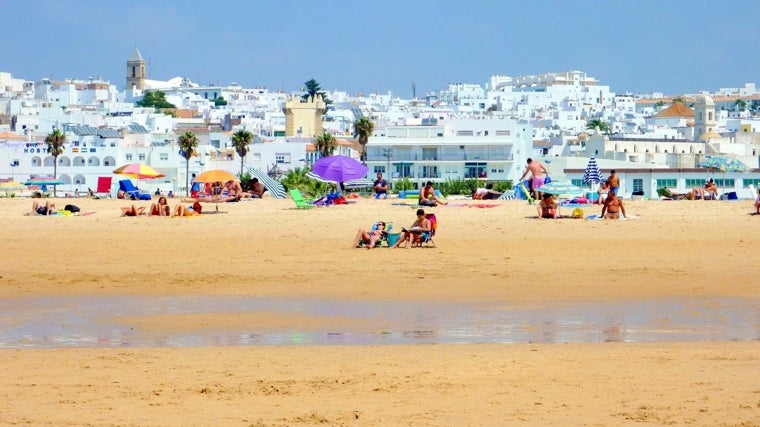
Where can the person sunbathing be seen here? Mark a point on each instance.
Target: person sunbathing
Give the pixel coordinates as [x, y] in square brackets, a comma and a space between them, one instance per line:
[181, 210]
[47, 209]
[547, 208]
[132, 210]
[160, 208]
[708, 192]
[428, 196]
[370, 236]
[485, 194]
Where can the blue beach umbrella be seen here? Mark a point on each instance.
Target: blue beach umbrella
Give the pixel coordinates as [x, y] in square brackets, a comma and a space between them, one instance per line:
[561, 188]
[723, 164]
[592, 174]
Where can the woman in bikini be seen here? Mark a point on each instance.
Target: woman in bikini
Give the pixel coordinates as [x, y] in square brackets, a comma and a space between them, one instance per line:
[547, 208]
[160, 208]
[371, 236]
[132, 210]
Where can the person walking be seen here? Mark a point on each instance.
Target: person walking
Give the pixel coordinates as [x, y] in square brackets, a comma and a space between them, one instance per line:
[537, 172]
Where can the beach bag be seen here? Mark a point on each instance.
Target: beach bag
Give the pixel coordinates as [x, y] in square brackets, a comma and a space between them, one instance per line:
[71, 208]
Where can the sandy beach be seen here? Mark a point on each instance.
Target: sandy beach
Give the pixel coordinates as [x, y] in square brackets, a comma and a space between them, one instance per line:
[498, 254]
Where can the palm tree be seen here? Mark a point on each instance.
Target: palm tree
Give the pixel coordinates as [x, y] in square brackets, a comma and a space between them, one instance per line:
[55, 143]
[363, 128]
[325, 144]
[600, 124]
[313, 89]
[240, 141]
[187, 144]
[296, 178]
[679, 99]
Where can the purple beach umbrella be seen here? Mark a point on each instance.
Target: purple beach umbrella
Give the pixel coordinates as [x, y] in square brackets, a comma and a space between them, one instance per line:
[339, 168]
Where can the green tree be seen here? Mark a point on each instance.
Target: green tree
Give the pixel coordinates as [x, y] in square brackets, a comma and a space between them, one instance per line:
[754, 106]
[240, 141]
[296, 178]
[659, 104]
[325, 144]
[155, 99]
[220, 102]
[55, 141]
[188, 142]
[679, 99]
[363, 128]
[740, 104]
[603, 126]
[313, 88]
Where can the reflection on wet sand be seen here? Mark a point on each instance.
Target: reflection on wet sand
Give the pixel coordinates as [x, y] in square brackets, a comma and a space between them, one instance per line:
[50, 322]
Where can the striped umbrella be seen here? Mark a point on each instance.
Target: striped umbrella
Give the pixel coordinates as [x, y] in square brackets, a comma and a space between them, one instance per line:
[138, 171]
[354, 183]
[274, 187]
[592, 175]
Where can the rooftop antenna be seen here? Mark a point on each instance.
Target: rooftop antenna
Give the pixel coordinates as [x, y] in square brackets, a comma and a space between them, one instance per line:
[414, 90]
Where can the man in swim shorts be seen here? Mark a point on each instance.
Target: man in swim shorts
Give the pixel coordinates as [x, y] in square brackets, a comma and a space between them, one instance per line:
[537, 171]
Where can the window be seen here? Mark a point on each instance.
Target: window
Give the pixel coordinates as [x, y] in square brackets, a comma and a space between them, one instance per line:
[751, 181]
[377, 169]
[691, 183]
[163, 156]
[667, 183]
[128, 157]
[577, 182]
[730, 182]
[282, 157]
[141, 157]
[638, 184]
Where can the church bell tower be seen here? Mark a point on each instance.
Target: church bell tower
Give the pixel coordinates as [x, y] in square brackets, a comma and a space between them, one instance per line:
[136, 71]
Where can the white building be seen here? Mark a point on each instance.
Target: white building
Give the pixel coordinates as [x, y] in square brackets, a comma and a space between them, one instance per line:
[490, 149]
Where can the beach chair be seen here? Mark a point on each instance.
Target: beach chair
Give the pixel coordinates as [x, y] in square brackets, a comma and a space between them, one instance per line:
[130, 190]
[384, 239]
[298, 199]
[669, 195]
[426, 239]
[104, 187]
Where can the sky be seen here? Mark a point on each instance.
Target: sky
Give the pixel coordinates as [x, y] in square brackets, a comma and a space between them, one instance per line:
[637, 46]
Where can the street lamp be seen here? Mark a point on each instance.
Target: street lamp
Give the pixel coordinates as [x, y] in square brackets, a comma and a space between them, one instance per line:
[388, 154]
[13, 169]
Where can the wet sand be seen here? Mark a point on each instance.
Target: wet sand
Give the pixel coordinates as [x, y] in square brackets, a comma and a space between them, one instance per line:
[264, 248]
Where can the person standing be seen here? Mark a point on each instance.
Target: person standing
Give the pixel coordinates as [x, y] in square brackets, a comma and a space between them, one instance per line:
[614, 182]
[537, 171]
[381, 187]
